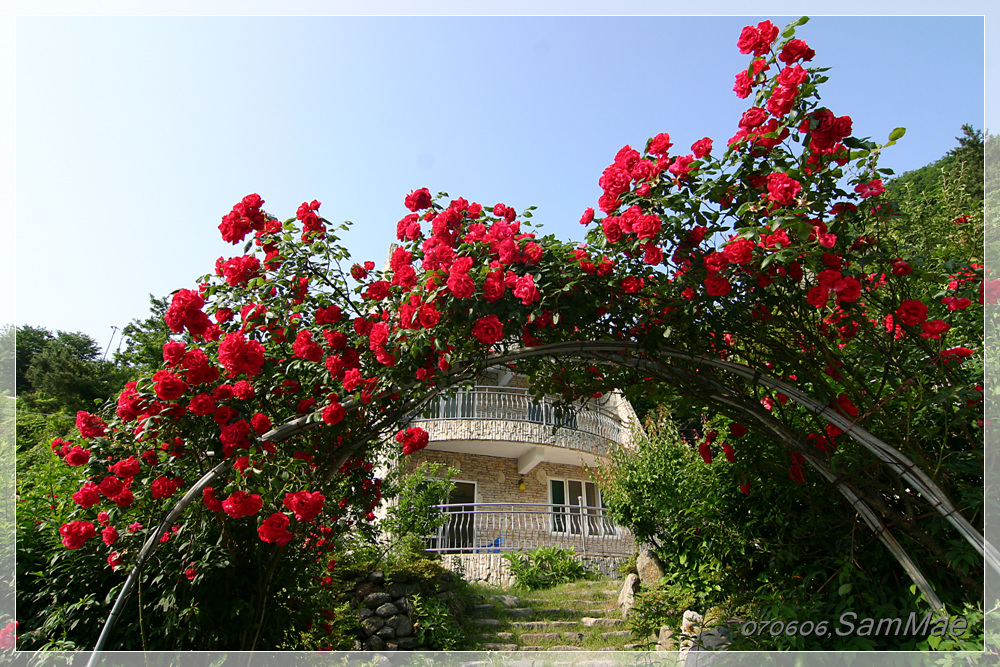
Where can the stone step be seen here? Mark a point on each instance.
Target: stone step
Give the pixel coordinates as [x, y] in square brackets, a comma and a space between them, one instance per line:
[498, 647]
[590, 622]
[617, 634]
[485, 622]
[565, 648]
[486, 610]
[508, 601]
[542, 625]
[521, 612]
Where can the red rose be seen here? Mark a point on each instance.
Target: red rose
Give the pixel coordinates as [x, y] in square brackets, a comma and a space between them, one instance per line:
[90, 426]
[526, 291]
[795, 50]
[781, 101]
[660, 144]
[753, 117]
[717, 285]
[168, 386]
[493, 287]
[871, 189]
[111, 487]
[739, 251]
[631, 284]
[126, 468]
[818, 296]
[87, 496]
[934, 328]
[701, 148]
[911, 312]
[334, 413]
[173, 352]
[705, 451]
[418, 199]
[413, 439]
[957, 353]
[274, 529]
[109, 535]
[757, 39]
[239, 355]
[305, 505]
[163, 487]
[75, 533]
[211, 502]
[782, 189]
[737, 430]
[305, 348]
[77, 456]
[488, 330]
[261, 423]
[848, 289]
[793, 76]
[461, 285]
[727, 449]
[241, 504]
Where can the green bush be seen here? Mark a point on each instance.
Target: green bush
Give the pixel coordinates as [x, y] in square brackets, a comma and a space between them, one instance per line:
[544, 567]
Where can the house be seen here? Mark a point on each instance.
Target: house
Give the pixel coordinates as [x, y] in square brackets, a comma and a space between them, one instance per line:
[523, 481]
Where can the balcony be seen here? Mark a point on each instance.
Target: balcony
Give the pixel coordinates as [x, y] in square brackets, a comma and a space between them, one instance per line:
[485, 528]
[585, 427]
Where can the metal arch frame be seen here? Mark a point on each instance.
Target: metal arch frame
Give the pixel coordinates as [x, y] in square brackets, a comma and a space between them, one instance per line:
[623, 354]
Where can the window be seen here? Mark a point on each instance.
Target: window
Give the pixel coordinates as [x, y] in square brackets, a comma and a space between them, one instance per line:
[577, 507]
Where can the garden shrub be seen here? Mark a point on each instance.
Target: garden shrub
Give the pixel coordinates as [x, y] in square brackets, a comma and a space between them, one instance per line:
[544, 567]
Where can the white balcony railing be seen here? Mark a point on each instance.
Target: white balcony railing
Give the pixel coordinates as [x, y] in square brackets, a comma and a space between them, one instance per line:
[515, 404]
[498, 527]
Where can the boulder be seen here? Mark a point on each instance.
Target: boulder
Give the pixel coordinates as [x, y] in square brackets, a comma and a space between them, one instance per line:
[665, 639]
[626, 596]
[386, 610]
[649, 567]
[376, 599]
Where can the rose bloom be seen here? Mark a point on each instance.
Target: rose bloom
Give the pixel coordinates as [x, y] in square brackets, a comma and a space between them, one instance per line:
[168, 386]
[305, 348]
[660, 144]
[241, 504]
[488, 330]
[109, 535]
[753, 117]
[90, 426]
[75, 533]
[127, 468]
[701, 148]
[77, 456]
[631, 284]
[782, 189]
[739, 251]
[87, 496]
[933, 329]
[305, 505]
[334, 413]
[418, 199]
[911, 312]
[274, 529]
[461, 285]
[717, 285]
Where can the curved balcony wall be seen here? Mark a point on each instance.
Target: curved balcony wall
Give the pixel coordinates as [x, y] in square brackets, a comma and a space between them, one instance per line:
[511, 414]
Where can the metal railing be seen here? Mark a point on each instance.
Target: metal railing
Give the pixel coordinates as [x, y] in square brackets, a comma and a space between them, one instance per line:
[516, 404]
[497, 527]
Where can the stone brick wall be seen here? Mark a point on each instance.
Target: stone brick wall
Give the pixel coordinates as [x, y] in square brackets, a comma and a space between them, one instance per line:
[513, 431]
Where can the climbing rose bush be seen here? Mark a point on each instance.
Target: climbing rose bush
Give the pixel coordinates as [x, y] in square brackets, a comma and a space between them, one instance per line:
[291, 376]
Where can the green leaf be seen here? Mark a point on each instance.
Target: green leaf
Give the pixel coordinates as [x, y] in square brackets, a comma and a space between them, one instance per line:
[845, 589]
[897, 133]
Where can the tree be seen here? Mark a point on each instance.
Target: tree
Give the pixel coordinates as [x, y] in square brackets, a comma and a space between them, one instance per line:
[746, 277]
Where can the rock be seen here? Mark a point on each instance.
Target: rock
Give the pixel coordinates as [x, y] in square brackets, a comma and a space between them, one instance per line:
[402, 624]
[364, 613]
[589, 622]
[540, 637]
[649, 567]
[626, 596]
[714, 639]
[525, 612]
[665, 639]
[386, 610]
[482, 610]
[691, 623]
[485, 622]
[405, 606]
[377, 577]
[398, 590]
[408, 643]
[508, 601]
[372, 624]
[386, 632]
[376, 599]
[374, 643]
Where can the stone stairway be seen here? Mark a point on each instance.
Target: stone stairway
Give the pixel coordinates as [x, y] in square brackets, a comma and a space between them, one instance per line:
[584, 617]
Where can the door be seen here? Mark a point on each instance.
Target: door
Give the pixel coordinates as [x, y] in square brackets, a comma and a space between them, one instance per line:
[460, 531]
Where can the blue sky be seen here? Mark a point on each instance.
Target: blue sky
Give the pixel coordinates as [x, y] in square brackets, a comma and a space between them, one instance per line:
[134, 135]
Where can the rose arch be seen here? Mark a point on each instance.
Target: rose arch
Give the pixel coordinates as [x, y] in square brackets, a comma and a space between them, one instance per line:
[760, 279]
